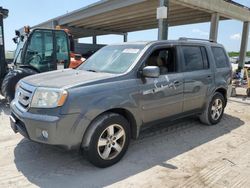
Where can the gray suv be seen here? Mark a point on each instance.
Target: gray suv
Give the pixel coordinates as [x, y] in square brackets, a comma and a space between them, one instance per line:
[104, 103]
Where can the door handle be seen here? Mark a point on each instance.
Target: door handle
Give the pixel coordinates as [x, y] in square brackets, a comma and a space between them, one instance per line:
[209, 78]
[177, 83]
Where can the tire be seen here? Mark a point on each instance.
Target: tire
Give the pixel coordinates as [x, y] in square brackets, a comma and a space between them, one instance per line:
[1, 81]
[103, 151]
[214, 110]
[248, 92]
[11, 79]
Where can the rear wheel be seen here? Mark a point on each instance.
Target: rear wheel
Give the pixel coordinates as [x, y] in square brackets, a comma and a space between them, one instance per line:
[248, 92]
[11, 79]
[214, 111]
[110, 140]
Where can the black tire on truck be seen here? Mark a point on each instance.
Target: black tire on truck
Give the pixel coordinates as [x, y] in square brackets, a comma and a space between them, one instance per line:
[11, 79]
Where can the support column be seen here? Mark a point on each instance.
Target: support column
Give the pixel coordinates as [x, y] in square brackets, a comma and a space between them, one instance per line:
[76, 40]
[125, 37]
[214, 27]
[94, 39]
[162, 16]
[244, 44]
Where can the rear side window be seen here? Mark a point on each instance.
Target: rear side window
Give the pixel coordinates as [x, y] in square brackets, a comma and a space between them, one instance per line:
[220, 57]
[195, 58]
[205, 58]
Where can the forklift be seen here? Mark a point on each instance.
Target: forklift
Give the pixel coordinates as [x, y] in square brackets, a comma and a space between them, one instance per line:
[38, 50]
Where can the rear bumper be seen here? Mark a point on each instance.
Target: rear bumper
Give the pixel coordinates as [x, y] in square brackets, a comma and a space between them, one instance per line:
[63, 130]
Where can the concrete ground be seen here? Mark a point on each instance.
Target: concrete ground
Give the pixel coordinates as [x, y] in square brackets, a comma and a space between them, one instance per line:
[180, 154]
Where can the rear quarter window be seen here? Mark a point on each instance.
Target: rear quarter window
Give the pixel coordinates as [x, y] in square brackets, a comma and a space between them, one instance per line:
[220, 57]
[195, 58]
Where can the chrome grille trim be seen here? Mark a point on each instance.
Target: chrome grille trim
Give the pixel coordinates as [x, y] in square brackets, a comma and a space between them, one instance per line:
[24, 96]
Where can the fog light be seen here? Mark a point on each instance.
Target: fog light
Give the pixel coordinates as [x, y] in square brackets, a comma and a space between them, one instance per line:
[45, 134]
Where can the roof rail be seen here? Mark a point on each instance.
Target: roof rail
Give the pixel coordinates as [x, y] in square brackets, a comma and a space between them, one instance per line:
[186, 39]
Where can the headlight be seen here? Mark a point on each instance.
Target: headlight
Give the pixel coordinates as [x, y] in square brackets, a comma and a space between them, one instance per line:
[48, 98]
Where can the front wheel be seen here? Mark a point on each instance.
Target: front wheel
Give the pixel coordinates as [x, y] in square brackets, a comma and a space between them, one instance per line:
[214, 111]
[109, 141]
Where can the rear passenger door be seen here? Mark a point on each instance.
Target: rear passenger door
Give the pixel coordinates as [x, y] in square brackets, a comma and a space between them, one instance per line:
[198, 77]
[223, 72]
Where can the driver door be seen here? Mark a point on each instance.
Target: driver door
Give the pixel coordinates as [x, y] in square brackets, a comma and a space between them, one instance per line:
[39, 52]
[46, 50]
[162, 97]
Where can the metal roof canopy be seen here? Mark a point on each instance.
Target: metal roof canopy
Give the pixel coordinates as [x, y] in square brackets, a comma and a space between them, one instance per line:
[120, 16]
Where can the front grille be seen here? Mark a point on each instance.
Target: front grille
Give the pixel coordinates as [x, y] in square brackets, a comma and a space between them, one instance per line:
[23, 96]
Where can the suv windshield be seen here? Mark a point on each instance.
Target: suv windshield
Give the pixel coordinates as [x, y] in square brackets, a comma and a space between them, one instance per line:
[113, 59]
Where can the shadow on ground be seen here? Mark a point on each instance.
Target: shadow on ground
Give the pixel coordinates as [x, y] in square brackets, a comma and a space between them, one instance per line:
[48, 166]
[4, 106]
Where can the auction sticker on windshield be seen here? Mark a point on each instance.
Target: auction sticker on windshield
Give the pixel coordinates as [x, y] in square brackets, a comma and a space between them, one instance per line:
[1, 36]
[131, 51]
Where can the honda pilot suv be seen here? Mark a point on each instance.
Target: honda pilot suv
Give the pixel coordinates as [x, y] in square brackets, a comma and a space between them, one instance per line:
[104, 103]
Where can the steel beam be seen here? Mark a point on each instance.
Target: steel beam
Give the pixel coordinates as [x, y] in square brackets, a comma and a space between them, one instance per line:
[244, 44]
[225, 8]
[97, 8]
[214, 26]
[163, 22]
[88, 32]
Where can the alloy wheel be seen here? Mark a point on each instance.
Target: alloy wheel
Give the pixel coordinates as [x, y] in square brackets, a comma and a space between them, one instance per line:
[217, 108]
[111, 142]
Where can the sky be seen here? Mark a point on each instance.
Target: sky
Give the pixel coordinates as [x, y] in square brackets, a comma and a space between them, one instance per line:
[32, 12]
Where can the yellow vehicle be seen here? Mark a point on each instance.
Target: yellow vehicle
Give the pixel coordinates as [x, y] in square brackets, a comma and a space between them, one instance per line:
[247, 79]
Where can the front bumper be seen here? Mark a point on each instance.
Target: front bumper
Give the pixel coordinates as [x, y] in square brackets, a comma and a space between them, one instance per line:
[63, 130]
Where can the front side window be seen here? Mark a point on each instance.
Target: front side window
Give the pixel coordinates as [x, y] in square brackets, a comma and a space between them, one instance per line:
[115, 59]
[164, 59]
[220, 57]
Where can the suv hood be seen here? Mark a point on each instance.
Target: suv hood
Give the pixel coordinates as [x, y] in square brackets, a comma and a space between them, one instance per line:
[65, 78]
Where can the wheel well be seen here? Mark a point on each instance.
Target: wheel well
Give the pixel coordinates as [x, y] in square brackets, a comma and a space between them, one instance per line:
[223, 92]
[129, 116]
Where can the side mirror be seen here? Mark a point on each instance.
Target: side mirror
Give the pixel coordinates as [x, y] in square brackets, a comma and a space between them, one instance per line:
[22, 38]
[151, 71]
[15, 40]
[17, 33]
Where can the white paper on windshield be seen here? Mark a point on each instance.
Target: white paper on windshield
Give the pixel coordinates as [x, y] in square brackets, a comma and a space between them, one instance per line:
[1, 36]
[131, 51]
